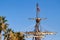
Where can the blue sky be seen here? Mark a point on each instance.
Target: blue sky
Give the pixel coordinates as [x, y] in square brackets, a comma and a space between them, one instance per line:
[17, 13]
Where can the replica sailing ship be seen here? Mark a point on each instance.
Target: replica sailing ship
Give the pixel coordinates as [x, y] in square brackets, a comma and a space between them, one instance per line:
[37, 34]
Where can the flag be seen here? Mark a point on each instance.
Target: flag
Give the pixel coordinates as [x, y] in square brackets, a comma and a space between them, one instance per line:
[38, 9]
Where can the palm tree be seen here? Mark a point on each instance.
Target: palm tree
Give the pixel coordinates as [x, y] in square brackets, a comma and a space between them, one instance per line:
[19, 36]
[3, 25]
[7, 34]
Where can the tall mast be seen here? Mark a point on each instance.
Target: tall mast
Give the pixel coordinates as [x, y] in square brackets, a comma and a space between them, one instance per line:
[37, 22]
[37, 19]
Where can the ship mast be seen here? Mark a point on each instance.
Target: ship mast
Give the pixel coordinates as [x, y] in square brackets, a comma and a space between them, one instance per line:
[37, 22]
[38, 34]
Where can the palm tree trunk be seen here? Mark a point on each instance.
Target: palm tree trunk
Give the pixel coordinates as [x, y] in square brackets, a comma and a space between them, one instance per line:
[0, 36]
